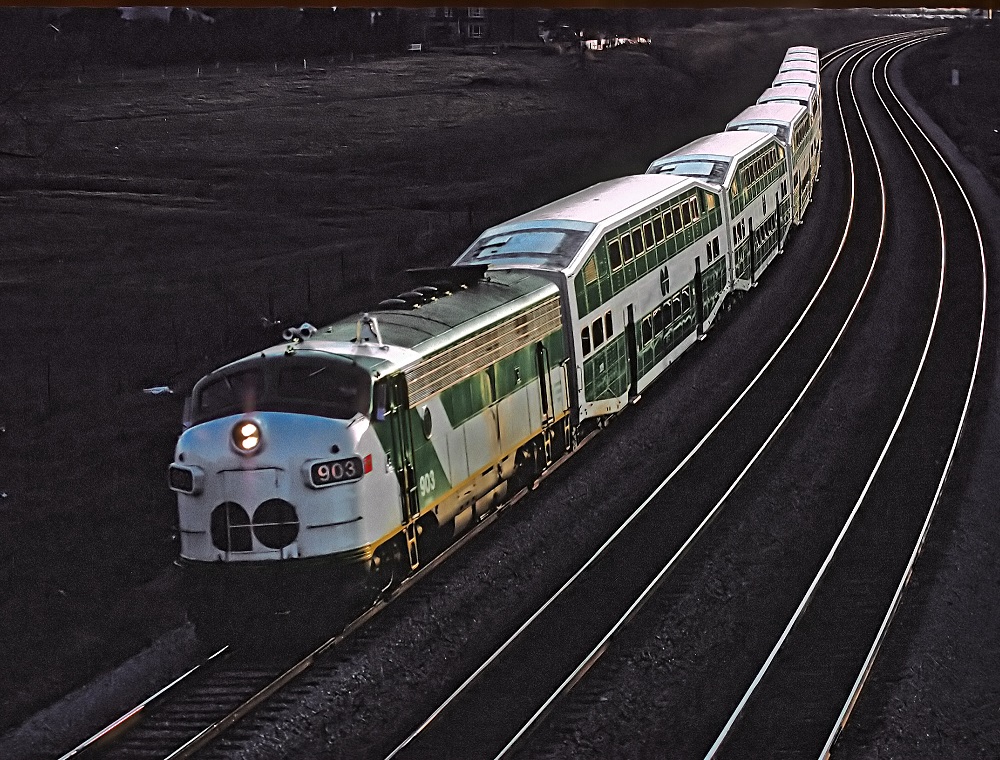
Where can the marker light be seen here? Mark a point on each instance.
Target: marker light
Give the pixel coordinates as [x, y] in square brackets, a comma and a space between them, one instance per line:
[246, 436]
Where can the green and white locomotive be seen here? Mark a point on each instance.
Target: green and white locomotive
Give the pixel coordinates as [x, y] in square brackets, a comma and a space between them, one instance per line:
[326, 469]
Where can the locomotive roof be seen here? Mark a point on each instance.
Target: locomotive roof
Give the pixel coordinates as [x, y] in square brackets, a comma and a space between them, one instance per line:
[557, 235]
[768, 113]
[409, 334]
[801, 93]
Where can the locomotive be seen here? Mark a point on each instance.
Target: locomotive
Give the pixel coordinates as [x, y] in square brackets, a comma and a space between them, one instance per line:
[318, 474]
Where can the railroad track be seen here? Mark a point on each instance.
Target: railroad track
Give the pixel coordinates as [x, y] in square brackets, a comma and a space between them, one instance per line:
[509, 695]
[855, 593]
[599, 600]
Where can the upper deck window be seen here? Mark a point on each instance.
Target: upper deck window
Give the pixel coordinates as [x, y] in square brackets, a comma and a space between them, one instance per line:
[713, 171]
[543, 247]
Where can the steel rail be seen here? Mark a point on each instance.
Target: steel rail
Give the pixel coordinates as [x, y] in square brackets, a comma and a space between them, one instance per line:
[821, 573]
[131, 715]
[220, 726]
[657, 581]
[516, 635]
[869, 662]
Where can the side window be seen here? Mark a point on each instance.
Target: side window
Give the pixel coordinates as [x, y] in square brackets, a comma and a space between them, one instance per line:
[647, 234]
[709, 201]
[685, 300]
[597, 329]
[675, 309]
[626, 248]
[615, 255]
[647, 331]
[668, 224]
[637, 246]
[715, 245]
[657, 321]
[585, 339]
[609, 328]
[675, 212]
[657, 229]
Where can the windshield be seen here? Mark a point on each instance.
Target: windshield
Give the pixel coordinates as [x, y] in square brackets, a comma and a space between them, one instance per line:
[325, 386]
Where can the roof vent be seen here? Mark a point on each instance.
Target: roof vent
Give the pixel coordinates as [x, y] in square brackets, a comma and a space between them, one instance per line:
[428, 291]
[393, 303]
[413, 298]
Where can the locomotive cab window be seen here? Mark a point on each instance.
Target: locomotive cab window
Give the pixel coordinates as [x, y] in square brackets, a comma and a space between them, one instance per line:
[303, 385]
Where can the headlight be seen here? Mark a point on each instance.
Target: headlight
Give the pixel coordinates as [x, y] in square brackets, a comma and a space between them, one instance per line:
[184, 479]
[247, 437]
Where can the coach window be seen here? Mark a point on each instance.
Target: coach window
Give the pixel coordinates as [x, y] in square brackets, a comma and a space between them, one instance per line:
[668, 224]
[676, 213]
[657, 225]
[675, 308]
[609, 328]
[647, 234]
[685, 300]
[657, 320]
[686, 214]
[615, 254]
[585, 339]
[626, 248]
[647, 331]
[597, 330]
[637, 246]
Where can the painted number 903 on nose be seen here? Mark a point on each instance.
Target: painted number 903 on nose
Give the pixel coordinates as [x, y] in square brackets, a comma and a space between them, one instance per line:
[335, 471]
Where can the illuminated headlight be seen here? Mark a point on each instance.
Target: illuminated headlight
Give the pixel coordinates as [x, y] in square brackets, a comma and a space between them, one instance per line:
[187, 480]
[247, 437]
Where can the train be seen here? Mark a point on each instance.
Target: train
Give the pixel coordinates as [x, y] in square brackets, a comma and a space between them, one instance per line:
[320, 473]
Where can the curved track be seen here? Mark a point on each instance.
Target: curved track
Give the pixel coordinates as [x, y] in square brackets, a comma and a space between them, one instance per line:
[513, 689]
[728, 463]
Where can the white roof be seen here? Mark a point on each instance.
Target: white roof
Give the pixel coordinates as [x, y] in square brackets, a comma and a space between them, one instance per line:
[605, 199]
[769, 113]
[799, 49]
[798, 93]
[721, 146]
[796, 77]
[799, 65]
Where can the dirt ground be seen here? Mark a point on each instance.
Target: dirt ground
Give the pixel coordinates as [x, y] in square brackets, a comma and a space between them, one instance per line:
[181, 217]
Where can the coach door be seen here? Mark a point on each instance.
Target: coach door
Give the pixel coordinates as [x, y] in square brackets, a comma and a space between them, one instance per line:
[398, 417]
[699, 297]
[631, 347]
[545, 392]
